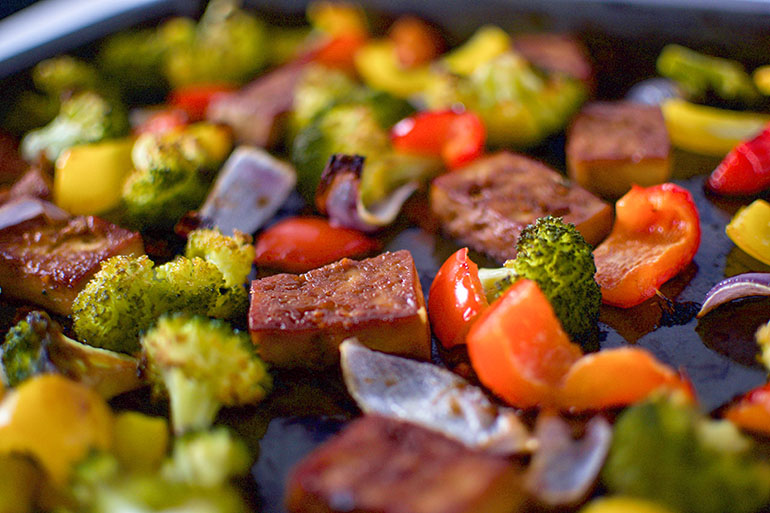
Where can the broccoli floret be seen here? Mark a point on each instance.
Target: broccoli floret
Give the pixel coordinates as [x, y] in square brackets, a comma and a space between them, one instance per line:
[30, 110]
[665, 451]
[207, 458]
[117, 304]
[229, 45]
[202, 365]
[66, 74]
[100, 486]
[232, 255]
[36, 345]
[555, 255]
[188, 285]
[167, 180]
[348, 128]
[84, 118]
[318, 88]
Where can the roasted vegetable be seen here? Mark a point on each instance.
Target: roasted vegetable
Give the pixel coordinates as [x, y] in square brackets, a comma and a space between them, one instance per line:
[101, 486]
[555, 255]
[665, 451]
[66, 74]
[167, 180]
[318, 88]
[36, 345]
[86, 117]
[128, 294]
[699, 74]
[207, 458]
[202, 365]
[745, 170]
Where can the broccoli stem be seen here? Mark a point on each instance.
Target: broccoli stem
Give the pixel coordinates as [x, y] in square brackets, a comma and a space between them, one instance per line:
[193, 403]
[496, 281]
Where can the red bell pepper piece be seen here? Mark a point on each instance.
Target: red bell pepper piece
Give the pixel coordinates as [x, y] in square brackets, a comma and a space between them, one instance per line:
[455, 299]
[195, 99]
[299, 244]
[340, 51]
[456, 137]
[162, 121]
[745, 170]
[752, 411]
[656, 234]
[518, 348]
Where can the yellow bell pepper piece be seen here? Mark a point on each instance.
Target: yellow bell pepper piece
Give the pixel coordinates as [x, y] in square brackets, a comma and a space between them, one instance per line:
[621, 504]
[378, 65]
[750, 230]
[708, 130]
[217, 141]
[89, 177]
[56, 421]
[141, 441]
[487, 43]
[337, 18]
[761, 78]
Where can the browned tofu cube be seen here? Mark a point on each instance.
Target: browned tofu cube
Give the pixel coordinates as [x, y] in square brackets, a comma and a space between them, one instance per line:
[559, 53]
[300, 320]
[48, 262]
[487, 204]
[380, 465]
[611, 146]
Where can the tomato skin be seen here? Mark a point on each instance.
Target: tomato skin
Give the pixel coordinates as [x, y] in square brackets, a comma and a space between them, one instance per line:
[455, 299]
[299, 244]
[518, 348]
[745, 170]
[195, 99]
[416, 42]
[457, 137]
[656, 234]
[752, 411]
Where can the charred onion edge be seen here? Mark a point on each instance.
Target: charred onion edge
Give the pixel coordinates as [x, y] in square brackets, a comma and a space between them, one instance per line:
[736, 287]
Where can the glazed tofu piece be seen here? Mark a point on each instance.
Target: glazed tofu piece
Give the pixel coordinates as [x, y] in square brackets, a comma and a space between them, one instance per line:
[611, 146]
[48, 261]
[300, 320]
[381, 465]
[556, 53]
[487, 204]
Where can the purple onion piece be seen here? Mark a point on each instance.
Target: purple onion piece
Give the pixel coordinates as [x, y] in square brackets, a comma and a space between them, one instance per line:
[249, 190]
[28, 208]
[736, 287]
[654, 91]
[339, 197]
[563, 471]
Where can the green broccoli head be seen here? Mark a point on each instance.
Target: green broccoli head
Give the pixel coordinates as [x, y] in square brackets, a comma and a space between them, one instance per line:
[349, 128]
[84, 118]
[318, 88]
[117, 304]
[100, 486]
[229, 45]
[207, 458]
[666, 451]
[24, 352]
[232, 255]
[189, 285]
[202, 365]
[555, 255]
[167, 180]
[66, 74]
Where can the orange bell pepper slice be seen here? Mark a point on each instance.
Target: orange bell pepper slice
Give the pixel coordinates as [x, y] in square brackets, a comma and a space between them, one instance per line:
[616, 377]
[339, 52]
[752, 411]
[416, 42]
[656, 234]
[455, 299]
[518, 348]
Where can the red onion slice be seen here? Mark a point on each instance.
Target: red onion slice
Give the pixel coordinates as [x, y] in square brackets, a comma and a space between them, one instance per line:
[24, 209]
[736, 287]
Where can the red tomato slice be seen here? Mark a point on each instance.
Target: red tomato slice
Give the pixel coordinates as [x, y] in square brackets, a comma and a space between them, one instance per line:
[455, 299]
[752, 411]
[656, 235]
[518, 348]
[299, 244]
[745, 170]
[195, 99]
